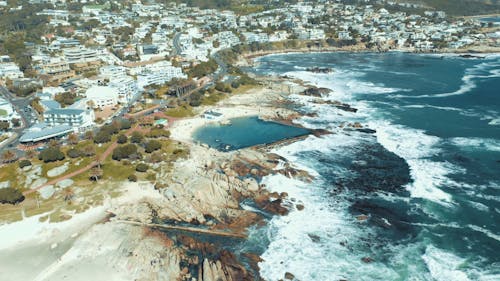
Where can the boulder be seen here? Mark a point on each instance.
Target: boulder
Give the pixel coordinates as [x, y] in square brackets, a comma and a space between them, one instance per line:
[57, 171]
[65, 183]
[5, 184]
[47, 191]
[289, 276]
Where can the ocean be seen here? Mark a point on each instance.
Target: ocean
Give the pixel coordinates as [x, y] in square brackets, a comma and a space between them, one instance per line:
[428, 180]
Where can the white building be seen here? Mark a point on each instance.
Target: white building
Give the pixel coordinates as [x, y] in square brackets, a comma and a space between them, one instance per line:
[80, 54]
[102, 96]
[10, 70]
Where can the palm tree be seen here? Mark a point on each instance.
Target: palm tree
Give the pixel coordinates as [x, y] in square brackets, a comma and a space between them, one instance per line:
[68, 194]
[89, 150]
[97, 161]
[31, 154]
[96, 173]
[89, 135]
[8, 156]
[73, 138]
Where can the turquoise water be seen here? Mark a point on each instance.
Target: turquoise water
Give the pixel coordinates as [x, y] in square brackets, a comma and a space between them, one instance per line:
[428, 179]
[244, 132]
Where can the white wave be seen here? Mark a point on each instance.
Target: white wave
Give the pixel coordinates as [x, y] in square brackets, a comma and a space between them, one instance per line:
[416, 148]
[444, 266]
[293, 249]
[477, 143]
[484, 231]
[469, 80]
[344, 83]
[494, 122]
[479, 206]
[432, 106]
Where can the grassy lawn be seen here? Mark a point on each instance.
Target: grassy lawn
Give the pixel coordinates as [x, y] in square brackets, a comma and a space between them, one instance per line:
[245, 88]
[212, 99]
[180, 111]
[3, 112]
[8, 172]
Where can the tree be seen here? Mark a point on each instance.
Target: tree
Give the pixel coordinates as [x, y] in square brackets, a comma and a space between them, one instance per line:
[9, 156]
[4, 125]
[121, 139]
[74, 153]
[51, 154]
[124, 152]
[125, 124]
[89, 135]
[152, 145]
[68, 194]
[88, 150]
[73, 138]
[24, 163]
[141, 167]
[10, 196]
[136, 137]
[102, 136]
[16, 122]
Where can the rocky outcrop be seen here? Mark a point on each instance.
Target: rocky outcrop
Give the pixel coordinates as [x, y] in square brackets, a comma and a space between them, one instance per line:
[315, 92]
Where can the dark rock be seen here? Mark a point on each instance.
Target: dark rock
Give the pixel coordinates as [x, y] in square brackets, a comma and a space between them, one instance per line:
[289, 276]
[314, 238]
[316, 92]
[366, 131]
[367, 260]
[299, 207]
[319, 69]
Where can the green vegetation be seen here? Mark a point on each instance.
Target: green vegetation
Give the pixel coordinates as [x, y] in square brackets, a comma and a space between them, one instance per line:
[136, 137]
[132, 178]
[142, 168]
[66, 98]
[152, 145]
[74, 153]
[121, 139]
[51, 154]
[203, 69]
[10, 196]
[24, 163]
[3, 112]
[124, 152]
[180, 111]
[157, 133]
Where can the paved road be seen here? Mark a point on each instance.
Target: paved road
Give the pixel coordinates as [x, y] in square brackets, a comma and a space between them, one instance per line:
[177, 47]
[23, 108]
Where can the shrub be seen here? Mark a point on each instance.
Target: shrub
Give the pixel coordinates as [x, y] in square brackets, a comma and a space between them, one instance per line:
[102, 136]
[74, 153]
[124, 151]
[156, 133]
[132, 178]
[51, 154]
[24, 163]
[125, 124]
[10, 196]
[141, 167]
[152, 145]
[121, 139]
[136, 137]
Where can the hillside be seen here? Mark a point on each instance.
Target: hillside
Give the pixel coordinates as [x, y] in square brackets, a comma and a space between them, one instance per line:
[462, 7]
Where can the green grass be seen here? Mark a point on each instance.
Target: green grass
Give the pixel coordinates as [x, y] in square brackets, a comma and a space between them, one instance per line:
[180, 111]
[3, 112]
[213, 98]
